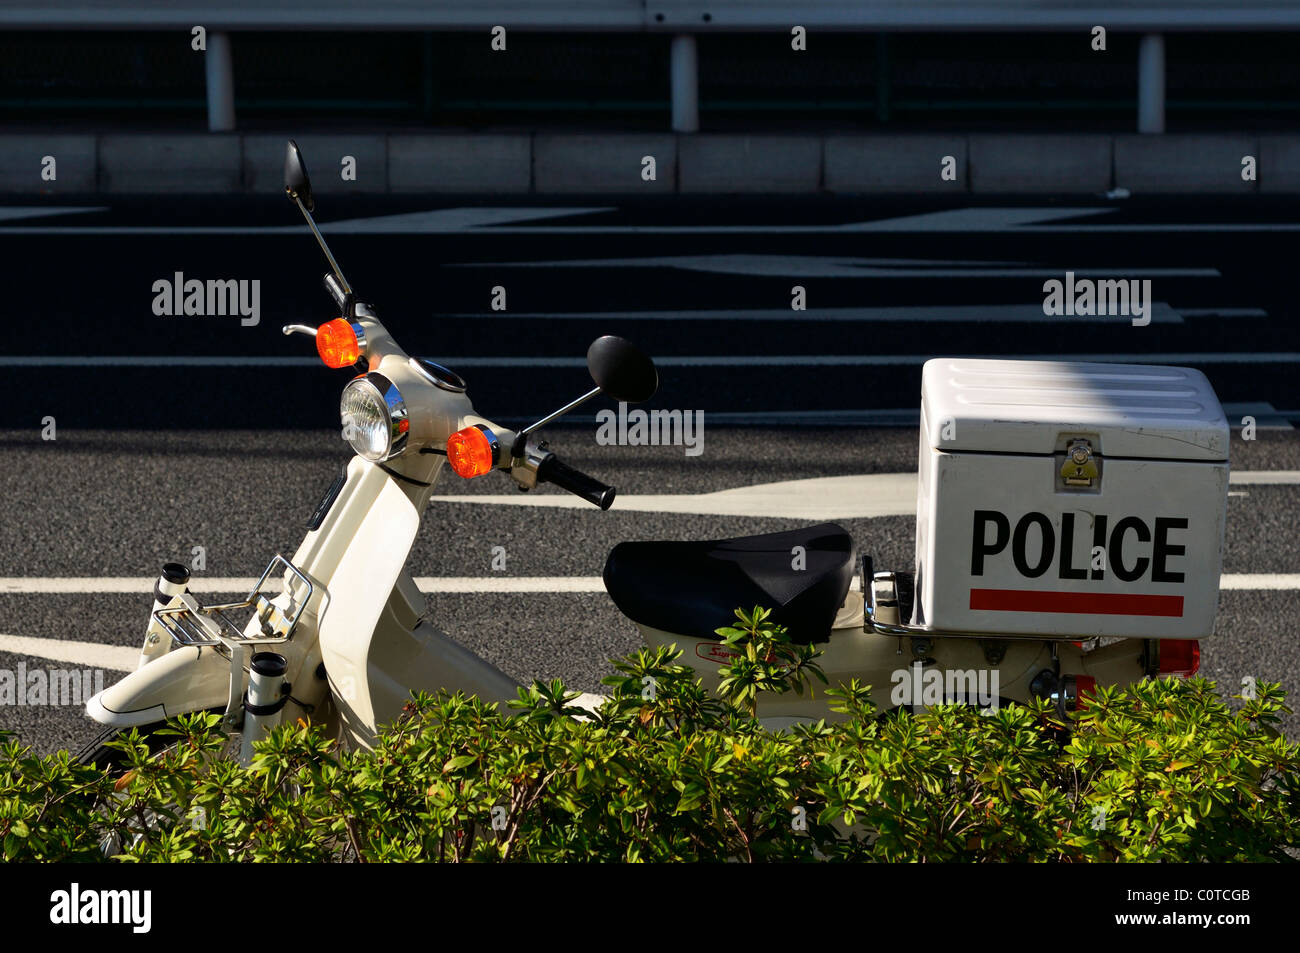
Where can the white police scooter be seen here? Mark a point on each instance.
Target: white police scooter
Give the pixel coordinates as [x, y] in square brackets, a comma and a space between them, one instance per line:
[1069, 533]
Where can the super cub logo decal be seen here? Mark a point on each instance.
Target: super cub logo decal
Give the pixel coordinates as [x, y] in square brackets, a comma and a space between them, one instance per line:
[1130, 548]
[714, 652]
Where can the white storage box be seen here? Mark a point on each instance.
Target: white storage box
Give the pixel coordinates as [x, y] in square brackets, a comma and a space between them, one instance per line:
[1125, 539]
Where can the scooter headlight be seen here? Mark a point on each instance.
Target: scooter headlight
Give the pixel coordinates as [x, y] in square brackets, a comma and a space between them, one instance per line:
[374, 417]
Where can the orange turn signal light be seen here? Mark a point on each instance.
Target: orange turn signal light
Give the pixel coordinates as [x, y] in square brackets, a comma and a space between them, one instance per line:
[472, 452]
[337, 344]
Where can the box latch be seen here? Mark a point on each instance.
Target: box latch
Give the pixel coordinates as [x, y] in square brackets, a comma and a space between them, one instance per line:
[1080, 467]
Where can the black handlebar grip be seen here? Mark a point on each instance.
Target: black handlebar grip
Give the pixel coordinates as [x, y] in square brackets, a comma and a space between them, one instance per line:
[551, 470]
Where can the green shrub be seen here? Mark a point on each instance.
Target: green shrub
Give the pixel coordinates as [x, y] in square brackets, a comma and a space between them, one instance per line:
[665, 771]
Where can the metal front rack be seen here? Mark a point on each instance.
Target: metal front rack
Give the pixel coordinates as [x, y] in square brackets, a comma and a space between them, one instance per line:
[194, 624]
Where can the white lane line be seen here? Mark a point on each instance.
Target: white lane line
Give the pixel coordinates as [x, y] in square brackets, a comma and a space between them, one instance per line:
[482, 584]
[1263, 477]
[858, 496]
[64, 585]
[82, 654]
[1260, 581]
[452, 585]
[820, 266]
[132, 585]
[1161, 313]
[702, 360]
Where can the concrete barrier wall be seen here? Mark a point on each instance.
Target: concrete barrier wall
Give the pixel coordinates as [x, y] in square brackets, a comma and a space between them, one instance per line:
[1165, 164]
[170, 163]
[613, 163]
[919, 163]
[491, 164]
[706, 163]
[1057, 163]
[711, 163]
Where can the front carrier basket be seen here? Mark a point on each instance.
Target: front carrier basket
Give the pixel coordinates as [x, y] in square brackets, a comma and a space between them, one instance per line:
[192, 623]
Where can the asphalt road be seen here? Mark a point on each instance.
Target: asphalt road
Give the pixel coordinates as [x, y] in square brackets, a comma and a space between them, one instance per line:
[157, 452]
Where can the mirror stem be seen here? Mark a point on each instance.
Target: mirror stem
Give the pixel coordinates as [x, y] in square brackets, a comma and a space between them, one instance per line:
[523, 434]
[320, 239]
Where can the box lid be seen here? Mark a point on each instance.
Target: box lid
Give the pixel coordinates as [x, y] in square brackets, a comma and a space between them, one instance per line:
[1137, 410]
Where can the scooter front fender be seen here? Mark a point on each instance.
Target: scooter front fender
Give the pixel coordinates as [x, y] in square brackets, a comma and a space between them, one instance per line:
[188, 678]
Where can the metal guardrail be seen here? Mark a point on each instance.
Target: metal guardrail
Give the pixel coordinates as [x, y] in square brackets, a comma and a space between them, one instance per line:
[694, 16]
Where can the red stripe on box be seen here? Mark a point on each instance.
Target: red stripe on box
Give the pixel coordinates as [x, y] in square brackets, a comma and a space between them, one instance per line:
[1084, 603]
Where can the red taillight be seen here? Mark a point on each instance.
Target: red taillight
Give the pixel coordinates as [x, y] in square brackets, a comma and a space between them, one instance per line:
[472, 451]
[337, 344]
[1181, 657]
[1084, 686]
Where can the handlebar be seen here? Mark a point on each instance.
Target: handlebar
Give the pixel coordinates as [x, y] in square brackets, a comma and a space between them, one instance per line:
[552, 470]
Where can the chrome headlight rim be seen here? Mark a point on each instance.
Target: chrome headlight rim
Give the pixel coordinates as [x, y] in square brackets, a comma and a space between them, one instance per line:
[386, 395]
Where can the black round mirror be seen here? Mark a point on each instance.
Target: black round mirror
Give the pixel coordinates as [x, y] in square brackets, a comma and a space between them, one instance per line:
[621, 371]
[296, 182]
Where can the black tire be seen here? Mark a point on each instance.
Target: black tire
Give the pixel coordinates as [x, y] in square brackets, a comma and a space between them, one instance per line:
[95, 752]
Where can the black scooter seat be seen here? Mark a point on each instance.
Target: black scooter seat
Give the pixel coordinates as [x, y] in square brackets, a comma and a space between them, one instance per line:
[691, 588]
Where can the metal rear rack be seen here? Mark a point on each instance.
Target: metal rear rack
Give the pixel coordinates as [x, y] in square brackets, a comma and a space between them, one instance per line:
[196, 624]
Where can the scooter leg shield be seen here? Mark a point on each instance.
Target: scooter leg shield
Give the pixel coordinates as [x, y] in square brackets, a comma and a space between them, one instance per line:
[189, 678]
[379, 524]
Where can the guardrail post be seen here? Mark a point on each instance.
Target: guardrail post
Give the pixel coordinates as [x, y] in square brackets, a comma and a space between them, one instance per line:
[221, 83]
[1151, 83]
[685, 75]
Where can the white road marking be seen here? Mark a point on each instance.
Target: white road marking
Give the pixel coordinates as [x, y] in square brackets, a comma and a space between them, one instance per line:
[452, 585]
[823, 498]
[82, 654]
[1263, 477]
[701, 360]
[130, 585]
[1260, 580]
